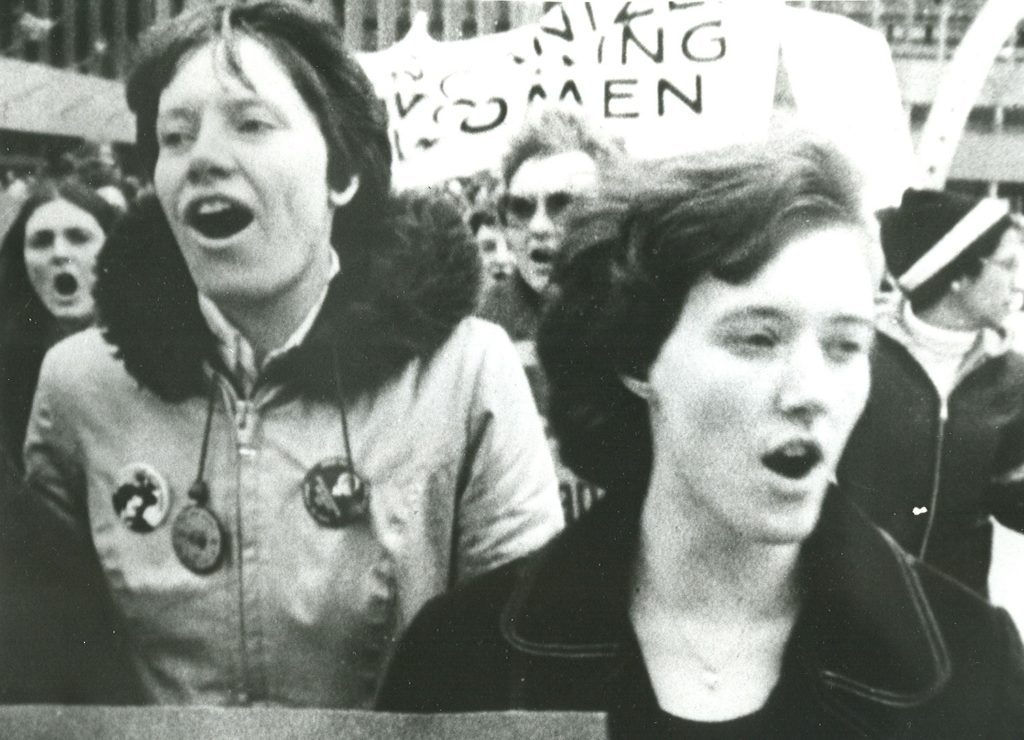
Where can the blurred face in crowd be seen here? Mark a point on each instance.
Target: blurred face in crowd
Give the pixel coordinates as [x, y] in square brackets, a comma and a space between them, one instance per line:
[62, 242]
[757, 388]
[988, 299]
[539, 195]
[497, 262]
[242, 177]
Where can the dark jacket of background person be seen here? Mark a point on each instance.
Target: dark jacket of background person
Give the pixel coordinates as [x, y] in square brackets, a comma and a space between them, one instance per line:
[59, 639]
[885, 648]
[904, 458]
[517, 308]
[514, 306]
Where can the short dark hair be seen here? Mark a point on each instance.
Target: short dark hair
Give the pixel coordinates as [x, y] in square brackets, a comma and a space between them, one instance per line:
[555, 130]
[630, 259]
[312, 51]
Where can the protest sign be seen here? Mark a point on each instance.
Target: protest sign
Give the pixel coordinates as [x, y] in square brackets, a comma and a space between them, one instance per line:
[666, 77]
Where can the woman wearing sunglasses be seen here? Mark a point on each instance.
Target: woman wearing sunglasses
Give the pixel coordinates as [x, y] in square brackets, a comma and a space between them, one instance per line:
[708, 354]
[552, 162]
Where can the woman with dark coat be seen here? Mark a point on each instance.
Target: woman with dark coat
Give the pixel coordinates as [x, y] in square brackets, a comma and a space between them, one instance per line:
[47, 271]
[708, 354]
[940, 447]
[289, 434]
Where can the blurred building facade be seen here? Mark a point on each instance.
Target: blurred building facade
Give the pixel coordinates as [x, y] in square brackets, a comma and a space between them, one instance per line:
[76, 43]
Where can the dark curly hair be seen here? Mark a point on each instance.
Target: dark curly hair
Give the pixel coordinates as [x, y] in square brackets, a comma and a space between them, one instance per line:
[629, 261]
[390, 304]
[311, 50]
[27, 328]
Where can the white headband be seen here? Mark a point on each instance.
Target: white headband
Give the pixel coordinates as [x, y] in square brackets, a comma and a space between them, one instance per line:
[977, 221]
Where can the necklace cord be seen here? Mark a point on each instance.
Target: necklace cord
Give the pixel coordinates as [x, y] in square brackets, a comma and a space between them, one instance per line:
[340, 386]
[199, 491]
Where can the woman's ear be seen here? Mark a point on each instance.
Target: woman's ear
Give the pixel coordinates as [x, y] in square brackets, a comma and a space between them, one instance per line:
[339, 198]
[637, 387]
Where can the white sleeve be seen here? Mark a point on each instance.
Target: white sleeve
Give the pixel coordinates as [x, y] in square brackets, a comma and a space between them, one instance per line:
[509, 502]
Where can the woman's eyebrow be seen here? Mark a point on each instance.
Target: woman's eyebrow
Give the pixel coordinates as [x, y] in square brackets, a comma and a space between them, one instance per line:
[854, 319]
[182, 111]
[746, 313]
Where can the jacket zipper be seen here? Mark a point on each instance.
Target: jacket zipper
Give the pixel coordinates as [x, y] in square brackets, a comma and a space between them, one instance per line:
[936, 475]
[243, 423]
[244, 413]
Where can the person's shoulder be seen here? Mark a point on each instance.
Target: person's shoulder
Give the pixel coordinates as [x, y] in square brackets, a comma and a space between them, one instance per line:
[1015, 362]
[83, 369]
[984, 660]
[82, 356]
[970, 625]
[474, 340]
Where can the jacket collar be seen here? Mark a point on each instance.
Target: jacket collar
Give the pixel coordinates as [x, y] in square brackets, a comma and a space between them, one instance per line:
[866, 627]
[990, 343]
[402, 290]
[234, 349]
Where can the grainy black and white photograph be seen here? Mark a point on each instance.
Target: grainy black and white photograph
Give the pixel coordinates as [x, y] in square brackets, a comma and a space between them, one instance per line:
[512, 369]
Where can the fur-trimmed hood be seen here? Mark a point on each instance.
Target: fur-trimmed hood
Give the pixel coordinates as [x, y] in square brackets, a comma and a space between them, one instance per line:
[401, 291]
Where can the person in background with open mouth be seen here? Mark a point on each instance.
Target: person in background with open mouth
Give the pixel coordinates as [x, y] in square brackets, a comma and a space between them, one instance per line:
[708, 356]
[47, 273]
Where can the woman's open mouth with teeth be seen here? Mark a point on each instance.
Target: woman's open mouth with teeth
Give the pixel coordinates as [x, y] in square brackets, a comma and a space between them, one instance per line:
[218, 217]
[65, 284]
[793, 460]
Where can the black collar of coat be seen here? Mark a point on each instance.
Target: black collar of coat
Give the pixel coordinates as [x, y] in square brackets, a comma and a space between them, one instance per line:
[866, 627]
[401, 291]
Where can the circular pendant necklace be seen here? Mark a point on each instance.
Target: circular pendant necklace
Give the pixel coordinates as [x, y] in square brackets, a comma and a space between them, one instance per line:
[197, 535]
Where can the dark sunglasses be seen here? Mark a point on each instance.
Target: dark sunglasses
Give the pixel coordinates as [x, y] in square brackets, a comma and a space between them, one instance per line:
[523, 207]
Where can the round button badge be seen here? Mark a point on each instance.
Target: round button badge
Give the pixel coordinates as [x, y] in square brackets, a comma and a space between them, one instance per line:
[334, 495]
[142, 497]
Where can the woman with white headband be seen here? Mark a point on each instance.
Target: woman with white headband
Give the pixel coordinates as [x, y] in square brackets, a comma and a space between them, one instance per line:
[940, 447]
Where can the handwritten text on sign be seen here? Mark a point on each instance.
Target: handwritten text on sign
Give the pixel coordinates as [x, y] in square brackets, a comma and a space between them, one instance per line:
[670, 75]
